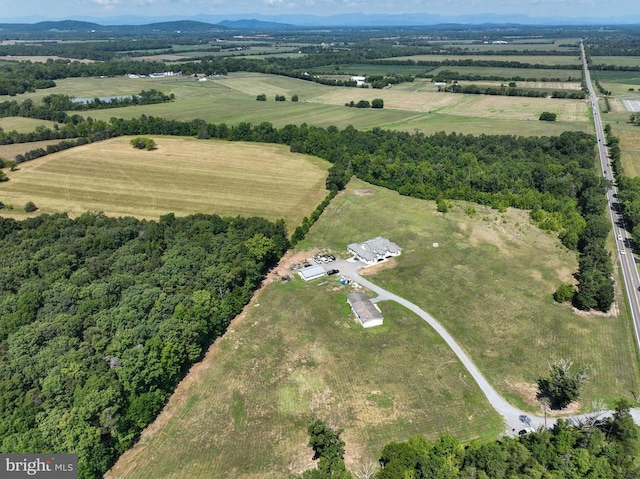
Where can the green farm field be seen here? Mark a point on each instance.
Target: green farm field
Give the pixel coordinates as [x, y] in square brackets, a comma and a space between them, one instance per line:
[538, 74]
[182, 176]
[547, 45]
[296, 352]
[550, 60]
[626, 78]
[21, 124]
[411, 106]
[625, 61]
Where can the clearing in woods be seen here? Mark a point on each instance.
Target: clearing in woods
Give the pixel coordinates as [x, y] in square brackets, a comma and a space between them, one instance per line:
[297, 352]
[181, 176]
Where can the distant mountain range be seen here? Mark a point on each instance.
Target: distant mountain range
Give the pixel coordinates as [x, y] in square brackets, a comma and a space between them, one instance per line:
[204, 23]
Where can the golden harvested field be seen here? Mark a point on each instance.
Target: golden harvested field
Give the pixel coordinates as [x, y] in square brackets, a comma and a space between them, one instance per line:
[10, 151]
[393, 98]
[182, 176]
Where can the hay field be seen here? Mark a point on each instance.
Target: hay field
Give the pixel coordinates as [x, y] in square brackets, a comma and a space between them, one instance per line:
[490, 283]
[10, 151]
[296, 352]
[626, 61]
[630, 146]
[232, 99]
[517, 108]
[182, 176]
[22, 124]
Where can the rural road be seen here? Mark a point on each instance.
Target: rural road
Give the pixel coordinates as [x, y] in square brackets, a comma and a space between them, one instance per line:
[511, 415]
[623, 245]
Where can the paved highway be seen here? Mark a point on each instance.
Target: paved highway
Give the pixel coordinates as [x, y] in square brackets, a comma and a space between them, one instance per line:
[623, 245]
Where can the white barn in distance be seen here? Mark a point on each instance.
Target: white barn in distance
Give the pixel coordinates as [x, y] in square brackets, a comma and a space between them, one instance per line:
[374, 250]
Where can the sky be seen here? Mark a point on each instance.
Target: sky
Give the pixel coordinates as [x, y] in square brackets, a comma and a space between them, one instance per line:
[59, 9]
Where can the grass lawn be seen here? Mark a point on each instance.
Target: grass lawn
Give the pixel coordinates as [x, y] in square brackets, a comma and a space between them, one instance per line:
[182, 175]
[490, 283]
[296, 352]
[232, 99]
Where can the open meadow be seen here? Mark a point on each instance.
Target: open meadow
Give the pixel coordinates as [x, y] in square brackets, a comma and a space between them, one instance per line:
[630, 148]
[22, 124]
[297, 352]
[182, 176]
[413, 106]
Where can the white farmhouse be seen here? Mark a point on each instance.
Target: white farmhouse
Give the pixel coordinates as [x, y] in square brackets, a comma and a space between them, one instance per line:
[374, 250]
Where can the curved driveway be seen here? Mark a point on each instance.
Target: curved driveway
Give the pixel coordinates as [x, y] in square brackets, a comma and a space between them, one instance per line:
[510, 414]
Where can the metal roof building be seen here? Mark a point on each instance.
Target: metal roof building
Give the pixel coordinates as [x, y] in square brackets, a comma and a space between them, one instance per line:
[365, 310]
[312, 272]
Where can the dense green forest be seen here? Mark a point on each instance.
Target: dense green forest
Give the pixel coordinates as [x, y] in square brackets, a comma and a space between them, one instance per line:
[101, 317]
[605, 449]
[596, 448]
[553, 177]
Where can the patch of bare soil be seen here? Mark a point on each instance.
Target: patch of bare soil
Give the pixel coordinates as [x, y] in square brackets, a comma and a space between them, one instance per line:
[362, 192]
[530, 391]
[372, 270]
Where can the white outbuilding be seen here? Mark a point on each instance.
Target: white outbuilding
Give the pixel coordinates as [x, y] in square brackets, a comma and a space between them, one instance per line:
[312, 272]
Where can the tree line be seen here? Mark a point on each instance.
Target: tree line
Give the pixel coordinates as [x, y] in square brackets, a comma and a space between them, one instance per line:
[101, 317]
[512, 91]
[553, 177]
[595, 448]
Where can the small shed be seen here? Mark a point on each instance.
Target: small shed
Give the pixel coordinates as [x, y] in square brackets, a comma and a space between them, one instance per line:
[312, 272]
[366, 312]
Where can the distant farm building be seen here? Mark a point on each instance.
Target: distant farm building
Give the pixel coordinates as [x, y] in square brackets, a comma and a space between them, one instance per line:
[359, 80]
[366, 312]
[312, 272]
[374, 250]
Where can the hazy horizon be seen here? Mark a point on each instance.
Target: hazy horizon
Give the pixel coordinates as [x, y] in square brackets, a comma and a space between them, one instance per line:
[187, 8]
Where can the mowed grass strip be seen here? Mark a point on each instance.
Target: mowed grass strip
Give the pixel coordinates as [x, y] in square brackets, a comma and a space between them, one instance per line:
[298, 353]
[182, 176]
[490, 283]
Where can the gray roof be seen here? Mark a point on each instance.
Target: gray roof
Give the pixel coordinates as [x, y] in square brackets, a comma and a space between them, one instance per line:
[312, 272]
[375, 248]
[363, 307]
